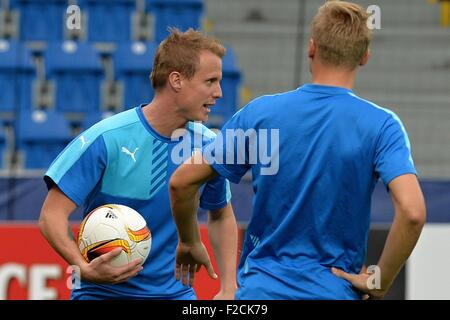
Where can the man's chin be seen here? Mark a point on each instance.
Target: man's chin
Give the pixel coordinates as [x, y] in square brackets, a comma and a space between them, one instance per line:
[202, 118]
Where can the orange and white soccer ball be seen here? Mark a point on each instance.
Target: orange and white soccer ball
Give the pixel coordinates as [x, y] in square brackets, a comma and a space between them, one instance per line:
[115, 226]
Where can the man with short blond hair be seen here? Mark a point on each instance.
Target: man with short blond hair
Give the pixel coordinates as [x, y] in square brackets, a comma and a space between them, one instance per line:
[99, 168]
[307, 236]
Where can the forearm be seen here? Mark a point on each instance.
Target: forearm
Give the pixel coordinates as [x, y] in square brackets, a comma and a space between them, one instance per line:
[400, 242]
[184, 209]
[183, 187]
[55, 228]
[223, 238]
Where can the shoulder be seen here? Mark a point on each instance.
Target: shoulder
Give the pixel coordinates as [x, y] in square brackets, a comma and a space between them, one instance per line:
[112, 126]
[384, 121]
[269, 100]
[372, 108]
[265, 106]
[115, 122]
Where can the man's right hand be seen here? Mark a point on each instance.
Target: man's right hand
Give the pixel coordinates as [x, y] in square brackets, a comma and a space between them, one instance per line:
[99, 269]
[188, 261]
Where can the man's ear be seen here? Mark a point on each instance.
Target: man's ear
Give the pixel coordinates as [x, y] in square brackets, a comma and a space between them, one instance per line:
[175, 80]
[365, 58]
[311, 48]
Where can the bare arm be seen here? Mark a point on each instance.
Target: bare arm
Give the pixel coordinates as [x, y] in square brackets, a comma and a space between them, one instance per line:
[54, 226]
[222, 232]
[410, 216]
[184, 186]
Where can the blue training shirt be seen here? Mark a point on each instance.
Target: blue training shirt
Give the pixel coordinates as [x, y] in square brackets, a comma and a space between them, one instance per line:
[312, 209]
[123, 160]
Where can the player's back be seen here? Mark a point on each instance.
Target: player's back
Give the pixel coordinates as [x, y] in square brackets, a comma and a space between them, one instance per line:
[315, 212]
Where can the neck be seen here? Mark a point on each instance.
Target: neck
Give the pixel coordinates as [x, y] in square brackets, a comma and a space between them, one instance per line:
[161, 114]
[329, 76]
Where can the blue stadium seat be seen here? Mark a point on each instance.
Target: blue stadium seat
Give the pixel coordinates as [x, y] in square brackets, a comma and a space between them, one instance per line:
[133, 64]
[76, 69]
[228, 104]
[41, 20]
[108, 20]
[16, 74]
[183, 14]
[40, 136]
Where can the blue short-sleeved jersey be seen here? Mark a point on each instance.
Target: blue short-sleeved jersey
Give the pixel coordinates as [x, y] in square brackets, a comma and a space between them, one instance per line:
[123, 160]
[312, 208]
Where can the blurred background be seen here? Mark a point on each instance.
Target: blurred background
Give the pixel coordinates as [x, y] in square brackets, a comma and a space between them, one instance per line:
[65, 65]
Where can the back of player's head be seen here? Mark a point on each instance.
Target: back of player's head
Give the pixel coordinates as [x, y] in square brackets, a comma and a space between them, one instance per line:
[341, 34]
[180, 52]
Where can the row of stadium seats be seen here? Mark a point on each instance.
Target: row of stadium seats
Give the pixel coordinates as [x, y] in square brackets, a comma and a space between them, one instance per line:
[76, 79]
[101, 20]
[33, 140]
[56, 81]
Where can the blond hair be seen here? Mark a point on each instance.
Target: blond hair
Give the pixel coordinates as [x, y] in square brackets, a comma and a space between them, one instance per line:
[341, 33]
[180, 52]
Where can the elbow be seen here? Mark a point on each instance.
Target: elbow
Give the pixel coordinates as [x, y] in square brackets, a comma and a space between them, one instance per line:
[179, 187]
[42, 223]
[176, 185]
[416, 217]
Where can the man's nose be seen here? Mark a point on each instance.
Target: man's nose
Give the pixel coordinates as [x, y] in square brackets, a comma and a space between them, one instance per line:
[218, 92]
